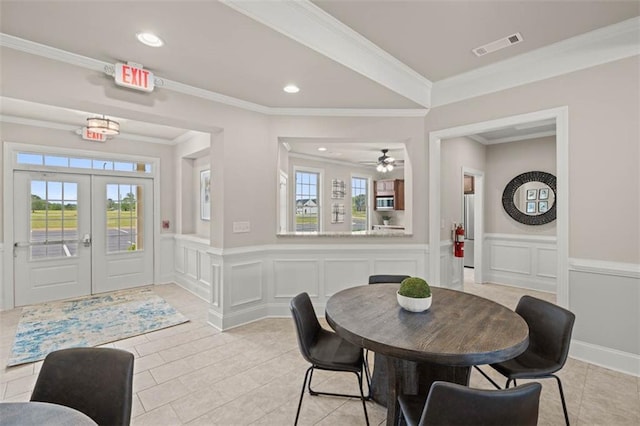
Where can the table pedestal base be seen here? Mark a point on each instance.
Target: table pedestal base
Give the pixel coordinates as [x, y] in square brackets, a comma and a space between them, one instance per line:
[392, 375]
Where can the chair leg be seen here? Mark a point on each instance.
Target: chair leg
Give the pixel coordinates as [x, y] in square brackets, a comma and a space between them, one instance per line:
[564, 404]
[302, 393]
[362, 397]
[309, 374]
[367, 373]
[315, 393]
[509, 382]
[487, 377]
[311, 391]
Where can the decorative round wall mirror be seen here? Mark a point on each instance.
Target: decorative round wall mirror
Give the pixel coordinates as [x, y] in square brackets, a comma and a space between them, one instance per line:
[530, 198]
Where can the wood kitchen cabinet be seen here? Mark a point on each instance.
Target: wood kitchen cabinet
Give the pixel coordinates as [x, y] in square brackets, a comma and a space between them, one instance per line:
[390, 188]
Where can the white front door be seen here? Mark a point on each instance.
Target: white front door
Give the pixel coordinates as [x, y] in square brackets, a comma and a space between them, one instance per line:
[52, 217]
[77, 235]
[122, 233]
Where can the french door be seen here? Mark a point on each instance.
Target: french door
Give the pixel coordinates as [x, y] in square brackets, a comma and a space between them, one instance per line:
[122, 211]
[78, 234]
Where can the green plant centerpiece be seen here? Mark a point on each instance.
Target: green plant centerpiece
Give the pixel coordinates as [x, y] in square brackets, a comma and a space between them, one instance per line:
[414, 294]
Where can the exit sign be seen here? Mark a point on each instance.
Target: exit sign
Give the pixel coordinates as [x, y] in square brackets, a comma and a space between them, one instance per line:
[133, 77]
[93, 136]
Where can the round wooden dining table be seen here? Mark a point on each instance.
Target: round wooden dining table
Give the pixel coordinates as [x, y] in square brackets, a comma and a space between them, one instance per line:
[458, 331]
[41, 413]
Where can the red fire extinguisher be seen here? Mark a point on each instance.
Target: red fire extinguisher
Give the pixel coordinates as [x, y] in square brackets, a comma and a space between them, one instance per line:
[458, 241]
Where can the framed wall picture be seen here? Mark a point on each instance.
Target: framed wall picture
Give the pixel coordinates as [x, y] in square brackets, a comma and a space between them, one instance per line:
[532, 194]
[543, 194]
[337, 189]
[205, 195]
[531, 207]
[337, 213]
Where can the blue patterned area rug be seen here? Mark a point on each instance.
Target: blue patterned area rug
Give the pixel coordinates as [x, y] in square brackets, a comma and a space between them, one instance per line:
[89, 321]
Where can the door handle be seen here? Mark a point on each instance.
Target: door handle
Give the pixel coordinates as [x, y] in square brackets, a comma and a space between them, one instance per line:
[86, 240]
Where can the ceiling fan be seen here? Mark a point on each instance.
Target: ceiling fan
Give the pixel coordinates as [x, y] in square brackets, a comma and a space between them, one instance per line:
[385, 163]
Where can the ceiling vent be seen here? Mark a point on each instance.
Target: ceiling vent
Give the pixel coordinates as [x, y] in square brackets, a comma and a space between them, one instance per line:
[498, 44]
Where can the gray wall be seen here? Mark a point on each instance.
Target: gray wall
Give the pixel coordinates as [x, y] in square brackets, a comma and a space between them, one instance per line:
[504, 162]
[604, 177]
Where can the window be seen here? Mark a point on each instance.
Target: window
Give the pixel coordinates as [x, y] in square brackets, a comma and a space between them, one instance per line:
[123, 207]
[54, 219]
[81, 163]
[307, 201]
[359, 204]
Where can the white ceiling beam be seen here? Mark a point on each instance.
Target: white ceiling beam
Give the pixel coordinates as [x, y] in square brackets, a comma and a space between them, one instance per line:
[311, 26]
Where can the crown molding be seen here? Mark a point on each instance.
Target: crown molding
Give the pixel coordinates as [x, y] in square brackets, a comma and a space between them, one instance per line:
[521, 137]
[607, 44]
[349, 112]
[60, 55]
[329, 160]
[311, 26]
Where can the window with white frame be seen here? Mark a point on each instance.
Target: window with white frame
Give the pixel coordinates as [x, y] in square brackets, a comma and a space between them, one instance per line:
[73, 162]
[359, 204]
[307, 201]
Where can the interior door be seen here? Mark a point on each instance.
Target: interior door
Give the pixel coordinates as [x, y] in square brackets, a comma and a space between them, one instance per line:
[52, 221]
[123, 232]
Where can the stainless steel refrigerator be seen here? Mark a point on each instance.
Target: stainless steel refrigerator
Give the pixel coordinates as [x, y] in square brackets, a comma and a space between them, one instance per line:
[469, 217]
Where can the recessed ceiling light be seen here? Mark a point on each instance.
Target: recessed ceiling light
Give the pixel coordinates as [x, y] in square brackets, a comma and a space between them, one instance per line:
[291, 88]
[150, 39]
[322, 148]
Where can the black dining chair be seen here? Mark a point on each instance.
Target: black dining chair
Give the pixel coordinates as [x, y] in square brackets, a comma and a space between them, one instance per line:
[381, 279]
[325, 350]
[550, 328]
[95, 381]
[379, 375]
[457, 405]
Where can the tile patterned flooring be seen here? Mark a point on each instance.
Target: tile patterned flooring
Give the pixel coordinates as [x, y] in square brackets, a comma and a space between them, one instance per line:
[193, 374]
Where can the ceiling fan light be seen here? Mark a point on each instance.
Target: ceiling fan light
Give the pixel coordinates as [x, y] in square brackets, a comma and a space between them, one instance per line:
[389, 167]
[103, 126]
[380, 168]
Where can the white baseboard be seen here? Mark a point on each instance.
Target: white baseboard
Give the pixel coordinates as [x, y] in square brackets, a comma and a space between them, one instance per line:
[612, 359]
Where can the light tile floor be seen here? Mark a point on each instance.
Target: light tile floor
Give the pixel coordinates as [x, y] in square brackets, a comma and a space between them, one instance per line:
[193, 374]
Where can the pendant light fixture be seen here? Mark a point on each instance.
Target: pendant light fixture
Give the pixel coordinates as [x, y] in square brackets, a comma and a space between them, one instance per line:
[103, 126]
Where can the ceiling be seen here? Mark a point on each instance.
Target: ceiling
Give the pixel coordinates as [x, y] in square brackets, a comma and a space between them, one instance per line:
[245, 50]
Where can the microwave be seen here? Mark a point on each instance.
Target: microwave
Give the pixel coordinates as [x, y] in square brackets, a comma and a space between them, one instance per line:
[384, 203]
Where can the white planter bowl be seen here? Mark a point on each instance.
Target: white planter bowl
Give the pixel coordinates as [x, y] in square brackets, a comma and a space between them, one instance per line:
[413, 304]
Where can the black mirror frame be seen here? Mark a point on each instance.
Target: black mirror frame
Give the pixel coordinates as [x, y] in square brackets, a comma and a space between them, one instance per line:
[512, 187]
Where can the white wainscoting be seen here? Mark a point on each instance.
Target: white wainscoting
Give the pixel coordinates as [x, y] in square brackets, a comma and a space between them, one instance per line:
[1, 276]
[193, 264]
[605, 297]
[525, 261]
[250, 283]
[450, 267]
[259, 282]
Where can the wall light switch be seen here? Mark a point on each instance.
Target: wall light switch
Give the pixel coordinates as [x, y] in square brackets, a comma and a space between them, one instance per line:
[239, 227]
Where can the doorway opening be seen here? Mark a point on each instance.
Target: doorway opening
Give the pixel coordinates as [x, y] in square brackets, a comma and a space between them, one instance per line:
[438, 261]
[78, 225]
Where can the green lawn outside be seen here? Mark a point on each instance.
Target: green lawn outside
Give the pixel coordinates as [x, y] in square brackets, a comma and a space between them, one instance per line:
[301, 220]
[40, 218]
[358, 215]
